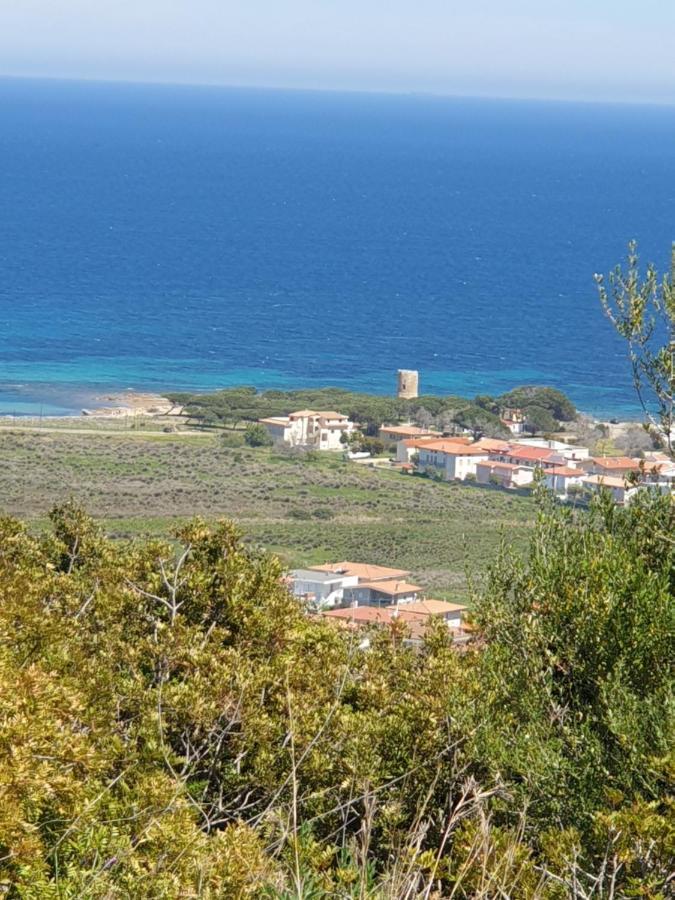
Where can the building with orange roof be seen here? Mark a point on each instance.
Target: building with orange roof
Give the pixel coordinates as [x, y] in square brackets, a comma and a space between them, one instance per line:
[409, 447]
[525, 455]
[615, 466]
[492, 445]
[414, 625]
[617, 487]
[453, 459]
[506, 475]
[363, 571]
[384, 593]
[451, 613]
[362, 584]
[405, 432]
[314, 429]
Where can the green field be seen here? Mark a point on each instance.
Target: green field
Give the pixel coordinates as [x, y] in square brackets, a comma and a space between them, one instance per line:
[307, 511]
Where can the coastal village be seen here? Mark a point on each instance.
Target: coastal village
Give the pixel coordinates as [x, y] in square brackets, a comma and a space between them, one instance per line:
[361, 596]
[569, 470]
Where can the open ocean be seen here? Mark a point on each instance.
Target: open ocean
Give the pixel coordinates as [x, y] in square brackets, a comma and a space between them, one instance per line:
[180, 238]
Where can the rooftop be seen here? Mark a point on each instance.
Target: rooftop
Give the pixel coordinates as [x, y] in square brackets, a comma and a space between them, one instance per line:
[418, 442]
[361, 614]
[503, 467]
[407, 430]
[275, 420]
[363, 571]
[455, 448]
[313, 575]
[610, 481]
[533, 454]
[616, 462]
[428, 608]
[565, 471]
[330, 414]
[492, 444]
[393, 587]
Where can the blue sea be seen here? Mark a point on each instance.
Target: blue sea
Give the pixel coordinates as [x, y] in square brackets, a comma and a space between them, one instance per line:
[161, 237]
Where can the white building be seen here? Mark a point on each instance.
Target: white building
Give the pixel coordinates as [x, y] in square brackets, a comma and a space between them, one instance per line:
[371, 585]
[323, 590]
[506, 475]
[616, 486]
[318, 430]
[452, 459]
[410, 447]
[514, 420]
[567, 453]
[561, 478]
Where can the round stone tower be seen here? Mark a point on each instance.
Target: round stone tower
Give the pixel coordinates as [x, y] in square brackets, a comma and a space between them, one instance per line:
[408, 384]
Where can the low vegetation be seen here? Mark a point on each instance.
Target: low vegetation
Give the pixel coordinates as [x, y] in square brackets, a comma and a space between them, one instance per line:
[175, 726]
[307, 508]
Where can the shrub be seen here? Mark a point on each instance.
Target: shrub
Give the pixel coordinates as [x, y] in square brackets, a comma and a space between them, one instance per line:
[256, 435]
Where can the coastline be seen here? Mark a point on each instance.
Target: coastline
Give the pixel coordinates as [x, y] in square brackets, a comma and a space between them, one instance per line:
[76, 406]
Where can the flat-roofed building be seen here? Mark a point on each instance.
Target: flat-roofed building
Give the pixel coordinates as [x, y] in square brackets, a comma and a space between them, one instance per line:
[321, 589]
[384, 593]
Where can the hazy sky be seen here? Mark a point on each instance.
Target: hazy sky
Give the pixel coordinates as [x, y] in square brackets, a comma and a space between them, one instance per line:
[590, 49]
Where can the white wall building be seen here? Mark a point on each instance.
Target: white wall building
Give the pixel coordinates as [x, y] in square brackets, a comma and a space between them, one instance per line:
[318, 430]
[453, 459]
[565, 452]
[507, 475]
[616, 486]
[561, 478]
[371, 585]
[321, 589]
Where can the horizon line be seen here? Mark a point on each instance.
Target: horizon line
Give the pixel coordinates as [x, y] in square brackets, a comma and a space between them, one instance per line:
[385, 92]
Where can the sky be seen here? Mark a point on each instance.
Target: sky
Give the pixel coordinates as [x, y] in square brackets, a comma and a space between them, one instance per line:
[615, 50]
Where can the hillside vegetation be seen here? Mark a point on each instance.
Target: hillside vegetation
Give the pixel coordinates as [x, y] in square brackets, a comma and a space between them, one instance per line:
[175, 726]
[307, 509]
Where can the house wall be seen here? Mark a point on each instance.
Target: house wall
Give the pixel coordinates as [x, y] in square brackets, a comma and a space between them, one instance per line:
[431, 458]
[458, 467]
[330, 438]
[322, 590]
[560, 484]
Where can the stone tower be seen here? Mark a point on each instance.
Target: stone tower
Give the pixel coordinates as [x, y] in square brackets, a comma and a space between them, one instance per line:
[408, 384]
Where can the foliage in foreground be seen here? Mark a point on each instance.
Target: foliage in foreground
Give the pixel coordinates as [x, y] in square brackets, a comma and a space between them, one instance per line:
[174, 725]
[642, 310]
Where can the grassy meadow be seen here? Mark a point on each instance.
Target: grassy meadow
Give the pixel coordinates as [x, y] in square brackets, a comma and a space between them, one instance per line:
[307, 511]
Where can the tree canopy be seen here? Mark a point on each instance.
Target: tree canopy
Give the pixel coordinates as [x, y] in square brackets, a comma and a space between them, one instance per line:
[235, 406]
[175, 725]
[642, 310]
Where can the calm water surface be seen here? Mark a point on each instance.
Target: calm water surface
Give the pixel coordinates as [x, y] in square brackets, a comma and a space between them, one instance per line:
[164, 237]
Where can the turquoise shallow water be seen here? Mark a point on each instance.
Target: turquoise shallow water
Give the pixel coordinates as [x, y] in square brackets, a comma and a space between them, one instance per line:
[178, 238]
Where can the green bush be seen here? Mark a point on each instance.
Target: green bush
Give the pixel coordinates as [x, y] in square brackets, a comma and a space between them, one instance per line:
[256, 435]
